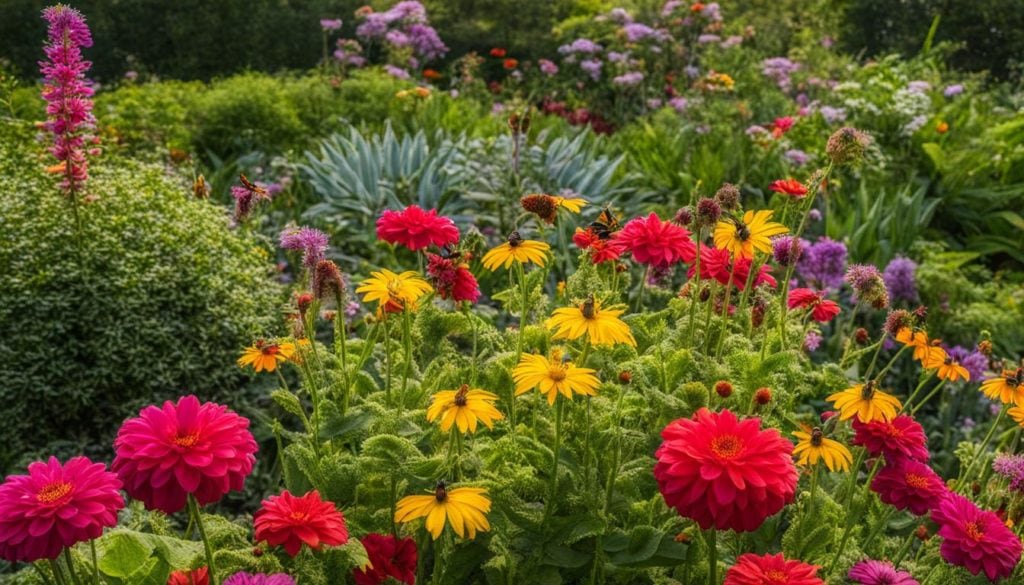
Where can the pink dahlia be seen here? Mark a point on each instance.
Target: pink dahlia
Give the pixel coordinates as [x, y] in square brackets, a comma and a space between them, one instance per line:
[822, 309]
[909, 485]
[900, 438]
[56, 506]
[452, 279]
[186, 448]
[723, 472]
[657, 243]
[975, 539]
[871, 572]
[751, 569]
[390, 557]
[415, 228]
[291, 521]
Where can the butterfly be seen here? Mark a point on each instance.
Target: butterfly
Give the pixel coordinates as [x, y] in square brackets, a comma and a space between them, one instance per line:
[606, 223]
[253, 187]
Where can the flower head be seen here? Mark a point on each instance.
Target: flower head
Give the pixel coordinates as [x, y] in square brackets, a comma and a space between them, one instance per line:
[546, 206]
[751, 569]
[465, 508]
[908, 485]
[847, 145]
[899, 438]
[602, 326]
[463, 408]
[868, 285]
[393, 292]
[390, 557]
[266, 355]
[415, 228]
[289, 521]
[312, 242]
[180, 449]
[728, 196]
[724, 472]
[328, 282]
[601, 249]
[516, 249]
[246, 196]
[944, 365]
[791, 187]
[823, 263]
[787, 250]
[866, 402]
[871, 572]
[1012, 468]
[814, 446]
[452, 278]
[55, 507]
[244, 578]
[553, 376]
[899, 279]
[753, 232]
[200, 576]
[657, 243]
[1007, 388]
[975, 539]
[822, 309]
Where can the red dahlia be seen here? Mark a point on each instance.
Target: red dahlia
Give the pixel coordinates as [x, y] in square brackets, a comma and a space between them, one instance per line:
[751, 569]
[909, 485]
[723, 472]
[822, 309]
[716, 263]
[790, 187]
[416, 229]
[657, 243]
[290, 522]
[452, 279]
[601, 249]
[200, 576]
[900, 438]
[389, 557]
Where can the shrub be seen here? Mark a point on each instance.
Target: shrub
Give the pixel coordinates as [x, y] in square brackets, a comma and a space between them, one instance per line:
[152, 299]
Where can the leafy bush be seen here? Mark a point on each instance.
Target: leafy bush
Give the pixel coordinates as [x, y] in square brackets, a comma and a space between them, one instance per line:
[151, 299]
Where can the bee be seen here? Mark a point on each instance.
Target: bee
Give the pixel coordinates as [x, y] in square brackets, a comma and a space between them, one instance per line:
[606, 223]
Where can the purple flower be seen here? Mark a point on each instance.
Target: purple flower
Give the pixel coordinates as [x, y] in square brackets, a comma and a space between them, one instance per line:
[779, 69]
[899, 279]
[352, 309]
[867, 284]
[592, 67]
[706, 39]
[814, 215]
[131, 75]
[670, 7]
[396, 72]
[691, 71]
[1012, 468]
[968, 423]
[312, 242]
[919, 86]
[617, 57]
[636, 32]
[397, 38]
[426, 42]
[975, 361]
[330, 24]
[755, 130]
[620, 15]
[246, 196]
[259, 579]
[548, 67]
[712, 11]
[679, 104]
[827, 42]
[585, 46]
[654, 103]
[732, 41]
[787, 250]
[409, 11]
[812, 340]
[374, 27]
[629, 79]
[832, 115]
[873, 572]
[953, 90]
[797, 157]
[823, 263]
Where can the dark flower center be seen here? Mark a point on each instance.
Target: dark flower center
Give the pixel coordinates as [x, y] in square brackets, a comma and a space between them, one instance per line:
[588, 308]
[742, 232]
[868, 390]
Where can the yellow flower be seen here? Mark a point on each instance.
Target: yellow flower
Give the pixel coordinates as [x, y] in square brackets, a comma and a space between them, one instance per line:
[754, 232]
[601, 326]
[1008, 387]
[866, 402]
[464, 508]
[1017, 414]
[948, 368]
[516, 249]
[464, 407]
[918, 340]
[814, 447]
[572, 204]
[393, 292]
[265, 355]
[553, 376]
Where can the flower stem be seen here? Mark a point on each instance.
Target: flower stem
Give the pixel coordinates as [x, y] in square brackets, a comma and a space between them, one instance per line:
[71, 566]
[95, 563]
[694, 294]
[58, 576]
[194, 509]
[340, 349]
[559, 407]
[711, 539]
[913, 395]
[965, 477]
[407, 357]
[725, 309]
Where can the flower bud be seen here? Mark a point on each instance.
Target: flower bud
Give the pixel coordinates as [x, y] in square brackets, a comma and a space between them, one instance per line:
[847, 145]
[728, 196]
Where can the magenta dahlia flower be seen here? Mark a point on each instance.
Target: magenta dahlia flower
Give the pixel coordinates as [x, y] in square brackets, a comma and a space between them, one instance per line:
[975, 539]
[751, 569]
[723, 472]
[168, 453]
[871, 572]
[900, 438]
[56, 506]
[909, 485]
[415, 228]
[657, 243]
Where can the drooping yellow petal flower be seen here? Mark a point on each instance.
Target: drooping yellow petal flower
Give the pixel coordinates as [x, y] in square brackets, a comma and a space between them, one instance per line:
[919, 341]
[946, 367]
[516, 249]
[754, 232]
[465, 509]
[601, 326]
[463, 408]
[814, 446]
[265, 355]
[553, 377]
[393, 292]
[865, 402]
[1007, 388]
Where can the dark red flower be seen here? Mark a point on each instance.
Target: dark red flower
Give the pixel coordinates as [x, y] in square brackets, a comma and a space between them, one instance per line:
[200, 576]
[716, 263]
[909, 485]
[657, 243]
[452, 278]
[416, 228]
[389, 557]
[601, 249]
[822, 309]
[900, 438]
[498, 53]
[290, 522]
[789, 187]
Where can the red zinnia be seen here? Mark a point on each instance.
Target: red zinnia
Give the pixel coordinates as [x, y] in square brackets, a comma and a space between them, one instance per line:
[724, 472]
[909, 485]
[186, 448]
[716, 263]
[822, 309]
[657, 243]
[601, 250]
[56, 506]
[389, 557]
[975, 539]
[510, 63]
[290, 521]
[200, 576]
[751, 569]
[498, 52]
[789, 187]
[416, 229]
[781, 126]
[452, 279]
[900, 438]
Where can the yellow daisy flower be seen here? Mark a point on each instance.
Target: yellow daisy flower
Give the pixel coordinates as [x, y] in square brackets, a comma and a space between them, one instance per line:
[571, 204]
[947, 368]
[754, 232]
[546, 206]
[553, 376]
[464, 508]
[601, 326]
[814, 447]
[463, 408]
[1007, 388]
[866, 402]
[516, 249]
[393, 292]
[1017, 414]
[918, 340]
[265, 355]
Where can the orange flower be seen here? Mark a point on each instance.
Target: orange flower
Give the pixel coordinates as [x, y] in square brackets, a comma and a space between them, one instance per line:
[916, 339]
[942, 127]
[1007, 388]
[510, 63]
[431, 74]
[948, 369]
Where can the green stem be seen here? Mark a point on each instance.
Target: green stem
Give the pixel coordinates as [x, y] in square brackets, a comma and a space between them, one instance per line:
[913, 395]
[904, 549]
[71, 566]
[197, 513]
[851, 513]
[340, 349]
[694, 294]
[407, 356]
[642, 288]
[387, 362]
[707, 315]
[711, 539]
[725, 309]
[42, 574]
[95, 563]
[559, 407]
[58, 576]
[966, 476]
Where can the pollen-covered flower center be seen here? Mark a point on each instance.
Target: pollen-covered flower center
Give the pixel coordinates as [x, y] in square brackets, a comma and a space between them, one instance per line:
[298, 516]
[817, 437]
[186, 440]
[777, 577]
[55, 492]
[557, 371]
[726, 446]
[915, 480]
[974, 531]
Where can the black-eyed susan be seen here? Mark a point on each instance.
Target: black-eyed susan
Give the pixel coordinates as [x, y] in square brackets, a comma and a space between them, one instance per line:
[866, 402]
[1007, 388]
[393, 292]
[946, 368]
[602, 326]
[516, 249]
[754, 232]
[553, 376]
[814, 446]
[546, 206]
[463, 408]
[1017, 414]
[464, 508]
[265, 355]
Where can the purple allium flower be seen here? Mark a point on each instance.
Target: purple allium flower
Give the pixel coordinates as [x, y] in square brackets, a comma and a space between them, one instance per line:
[592, 67]
[352, 309]
[832, 115]
[812, 340]
[312, 242]
[867, 284]
[797, 157]
[408, 11]
[712, 11]
[396, 72]
[67, 93]
[899, 279]
[397, 38]
[707, 39]
[426, 42]
[871, 572]
[259, 579]
[823, 263]
[779, 69]
[787, 250]
[679, 104]
[548, 67]
[919, 86]
[629, 79]
[585, 46]
[330, 24]
[974, 361]
[953, 90]
[636, 31]
[1012, 468]
[374, 27]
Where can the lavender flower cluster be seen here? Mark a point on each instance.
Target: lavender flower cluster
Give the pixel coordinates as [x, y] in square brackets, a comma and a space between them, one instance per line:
[403, 26]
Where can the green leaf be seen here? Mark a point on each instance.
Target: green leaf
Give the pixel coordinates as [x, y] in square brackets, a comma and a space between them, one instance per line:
[338, 426]
[136, 558]
[288, 401]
